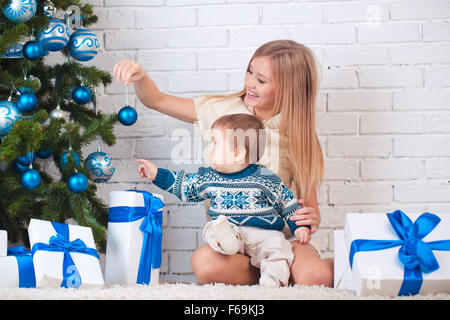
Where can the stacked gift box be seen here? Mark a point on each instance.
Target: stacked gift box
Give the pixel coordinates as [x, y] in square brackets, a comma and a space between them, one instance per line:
[393, 254]
[64, 255]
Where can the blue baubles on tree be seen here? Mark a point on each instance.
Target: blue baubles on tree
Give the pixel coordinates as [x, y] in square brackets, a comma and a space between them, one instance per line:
[127, 115]
[20, 10]
[64, 160]
[9, 114]
[30, 179]
[44, 154]
[27, 159]
[32, 50]
[81, 95]
[55, 37]
[77, 182]
[99, 166]
[27, 101]
[83, 45]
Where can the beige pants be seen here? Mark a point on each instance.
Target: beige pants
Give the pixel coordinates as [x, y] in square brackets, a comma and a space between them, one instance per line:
[268, 249]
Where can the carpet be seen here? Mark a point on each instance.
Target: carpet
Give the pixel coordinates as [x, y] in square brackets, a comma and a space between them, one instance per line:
[181, 291]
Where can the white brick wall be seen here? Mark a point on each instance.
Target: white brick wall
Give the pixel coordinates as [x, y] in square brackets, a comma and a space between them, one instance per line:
[383, 108]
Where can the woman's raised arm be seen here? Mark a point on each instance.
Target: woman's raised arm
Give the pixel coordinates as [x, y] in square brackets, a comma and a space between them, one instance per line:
[130, 71]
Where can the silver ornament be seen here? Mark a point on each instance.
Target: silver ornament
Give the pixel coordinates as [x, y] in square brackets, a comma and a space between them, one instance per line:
[57, 113]
[99, 166]
[9, 115]
[55, 37]
[49, 9]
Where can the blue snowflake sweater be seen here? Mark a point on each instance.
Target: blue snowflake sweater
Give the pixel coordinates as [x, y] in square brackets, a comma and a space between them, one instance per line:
[254, 196]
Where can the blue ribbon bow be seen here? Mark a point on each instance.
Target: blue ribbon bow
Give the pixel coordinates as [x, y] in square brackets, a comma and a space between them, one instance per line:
[151, 227]
[25, 264]
[61, 243]
[416, 255]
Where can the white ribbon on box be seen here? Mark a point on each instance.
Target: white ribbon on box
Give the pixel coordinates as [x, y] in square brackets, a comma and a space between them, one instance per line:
[64, 260]
[3, 243]
[380, 271]
[125, 238]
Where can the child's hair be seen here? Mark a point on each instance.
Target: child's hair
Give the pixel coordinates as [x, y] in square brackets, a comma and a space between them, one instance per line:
[246, 130]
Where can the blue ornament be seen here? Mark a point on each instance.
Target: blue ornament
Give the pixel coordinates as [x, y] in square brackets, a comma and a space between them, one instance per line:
[83, 45]
[55, 37]
[27, 101]
[32, 50]
[44, 154]
[27, 159]
[77, 182]
[99, 166]
[64, 160]
[81, 95]
[18, 167]
[30, 179]
[9, 114]
[20, 10]
[14, 51]
[127, 115]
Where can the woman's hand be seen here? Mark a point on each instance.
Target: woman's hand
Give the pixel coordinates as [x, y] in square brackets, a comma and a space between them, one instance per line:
[128, 71]
[147, 169]
[306, 216]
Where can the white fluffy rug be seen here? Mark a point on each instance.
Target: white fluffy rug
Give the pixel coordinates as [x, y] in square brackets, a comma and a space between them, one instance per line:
[195, 292]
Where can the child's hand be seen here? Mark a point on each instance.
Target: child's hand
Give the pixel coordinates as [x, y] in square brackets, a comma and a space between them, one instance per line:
[303, 235]
[147, 169]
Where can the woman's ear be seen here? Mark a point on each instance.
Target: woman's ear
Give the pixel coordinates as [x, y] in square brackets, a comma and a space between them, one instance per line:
[240, 154]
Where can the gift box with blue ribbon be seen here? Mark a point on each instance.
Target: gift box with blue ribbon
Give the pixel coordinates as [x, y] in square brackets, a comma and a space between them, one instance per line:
[16, 269]
[134, 236]
[395, 254]
[64, 255]
[3, 242]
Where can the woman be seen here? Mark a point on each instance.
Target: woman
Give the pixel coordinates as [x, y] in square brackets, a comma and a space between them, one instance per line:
[280, 89]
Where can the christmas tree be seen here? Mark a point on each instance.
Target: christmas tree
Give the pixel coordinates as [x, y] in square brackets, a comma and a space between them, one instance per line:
[50, 112]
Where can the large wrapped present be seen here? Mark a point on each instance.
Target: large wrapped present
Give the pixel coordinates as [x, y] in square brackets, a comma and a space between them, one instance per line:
[3, 242]
[390, 255]
[342, 273]
[16, 269]
[134, 236]
[64, 255]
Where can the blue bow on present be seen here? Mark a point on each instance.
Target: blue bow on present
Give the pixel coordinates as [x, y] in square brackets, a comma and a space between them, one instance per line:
[61, 243]
[24, 258]
[151, 227]
[416, 255]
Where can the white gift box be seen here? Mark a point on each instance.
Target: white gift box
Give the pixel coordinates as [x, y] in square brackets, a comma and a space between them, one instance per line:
[124, 242]
[17, 272]
[3, 243]
[9, 272]
[48, 265]
[342, 273]
[381, 272]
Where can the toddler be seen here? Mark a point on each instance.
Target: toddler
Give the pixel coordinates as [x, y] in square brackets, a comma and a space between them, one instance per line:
[249, 203]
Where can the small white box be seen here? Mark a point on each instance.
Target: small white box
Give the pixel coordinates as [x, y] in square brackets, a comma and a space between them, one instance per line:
[48, 265]
[9, 272]
[17, 272]
[124, 242]
[3, 243]
[381, 272]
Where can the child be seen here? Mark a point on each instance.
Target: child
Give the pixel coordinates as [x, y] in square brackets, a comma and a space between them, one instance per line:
[248, 201]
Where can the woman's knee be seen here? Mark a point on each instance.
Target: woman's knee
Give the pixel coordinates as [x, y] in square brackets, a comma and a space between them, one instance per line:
[205, 264]
[309, 269]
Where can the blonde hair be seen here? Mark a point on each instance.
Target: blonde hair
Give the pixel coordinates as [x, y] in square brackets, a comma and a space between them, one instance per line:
[296, 83]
